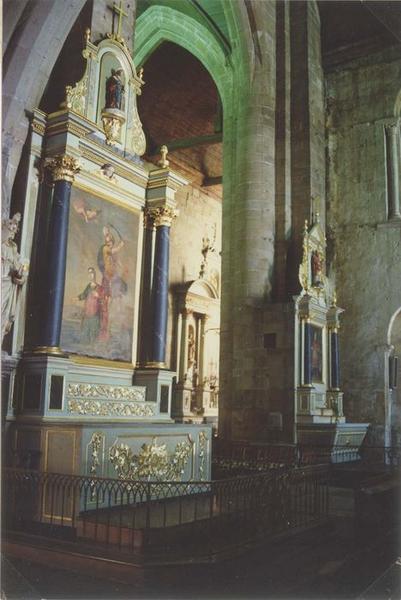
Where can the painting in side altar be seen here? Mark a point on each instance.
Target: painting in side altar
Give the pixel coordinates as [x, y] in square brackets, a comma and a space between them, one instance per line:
[317, 354]
[99, 296]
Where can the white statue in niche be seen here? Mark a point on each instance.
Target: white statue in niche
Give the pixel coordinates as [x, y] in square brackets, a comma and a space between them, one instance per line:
[13, 273]
[191, 361]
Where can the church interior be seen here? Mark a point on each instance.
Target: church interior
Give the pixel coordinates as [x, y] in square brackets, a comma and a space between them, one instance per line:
[201, 298]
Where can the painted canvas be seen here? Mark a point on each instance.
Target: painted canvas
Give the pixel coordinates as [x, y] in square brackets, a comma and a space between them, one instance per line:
[99, 297]
[317, 354]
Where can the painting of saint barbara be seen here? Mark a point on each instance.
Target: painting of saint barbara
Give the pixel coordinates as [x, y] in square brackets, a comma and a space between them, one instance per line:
[99, 296]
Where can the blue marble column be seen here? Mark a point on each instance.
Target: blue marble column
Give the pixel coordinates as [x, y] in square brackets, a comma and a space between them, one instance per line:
[335, 364]
[63, 169]
[146, 290]
[307, 354]
[163, 219]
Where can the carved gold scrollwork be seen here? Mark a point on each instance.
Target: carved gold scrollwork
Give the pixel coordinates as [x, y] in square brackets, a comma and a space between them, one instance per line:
[152, 462]
[138, 140]
[75, 96]
[112, 122]
[202, 454]
[304, 266]
[162, 215]
[95, 445]
[103, 408]
[63, 167]
[109, 392]
[311, 272]
[38, 128]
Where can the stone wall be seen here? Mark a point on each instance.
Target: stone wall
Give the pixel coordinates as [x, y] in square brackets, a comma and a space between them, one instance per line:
[361, 97]
[199, 217]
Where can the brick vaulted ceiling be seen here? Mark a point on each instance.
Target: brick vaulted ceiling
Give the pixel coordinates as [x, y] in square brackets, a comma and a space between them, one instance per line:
[180, 107]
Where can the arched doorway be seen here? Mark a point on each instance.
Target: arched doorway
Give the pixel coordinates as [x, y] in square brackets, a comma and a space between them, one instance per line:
[181, 108]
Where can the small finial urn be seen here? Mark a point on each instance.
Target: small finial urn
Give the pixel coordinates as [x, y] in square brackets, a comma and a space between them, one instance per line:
[163, 162]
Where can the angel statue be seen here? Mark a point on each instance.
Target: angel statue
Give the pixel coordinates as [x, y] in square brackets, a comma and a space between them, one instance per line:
[13, 273]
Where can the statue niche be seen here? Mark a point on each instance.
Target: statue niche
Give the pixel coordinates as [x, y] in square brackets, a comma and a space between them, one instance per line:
[115, 90]
[113, 113]
[198, 330]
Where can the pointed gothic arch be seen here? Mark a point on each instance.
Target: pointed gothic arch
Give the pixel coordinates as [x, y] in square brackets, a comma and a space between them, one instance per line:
[160, 23]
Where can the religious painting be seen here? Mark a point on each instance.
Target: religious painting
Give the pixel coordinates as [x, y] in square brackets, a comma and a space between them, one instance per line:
[100, 280]
[316, 353]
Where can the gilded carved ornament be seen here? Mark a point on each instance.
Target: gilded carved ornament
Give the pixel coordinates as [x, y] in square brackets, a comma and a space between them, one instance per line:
[112, 127]
[109, 392]
[95, 445]
[108, 408]
[75, 96]
[63, 167]
[138, 140]
[161, 215]
[152, 462]
[203, 440]
[312, 268]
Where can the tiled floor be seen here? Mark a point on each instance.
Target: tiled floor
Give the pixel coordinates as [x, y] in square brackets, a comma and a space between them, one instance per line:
[333, 564]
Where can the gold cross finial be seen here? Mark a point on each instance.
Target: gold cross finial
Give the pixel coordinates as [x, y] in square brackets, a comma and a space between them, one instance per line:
[118, 10]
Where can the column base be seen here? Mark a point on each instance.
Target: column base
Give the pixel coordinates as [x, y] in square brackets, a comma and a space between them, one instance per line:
[152, 365]
[48, 350]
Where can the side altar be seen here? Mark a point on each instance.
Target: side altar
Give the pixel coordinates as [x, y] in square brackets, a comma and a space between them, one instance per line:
[301, 340]
[87, 387]
[319, 415]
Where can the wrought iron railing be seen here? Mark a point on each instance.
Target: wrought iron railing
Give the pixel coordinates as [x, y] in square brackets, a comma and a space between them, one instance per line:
[129, 515]
[237, 457]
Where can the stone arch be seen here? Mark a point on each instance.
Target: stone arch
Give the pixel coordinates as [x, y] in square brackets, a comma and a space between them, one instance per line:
[31, 53]
[391, 324]
[160, 23]
[392, 395]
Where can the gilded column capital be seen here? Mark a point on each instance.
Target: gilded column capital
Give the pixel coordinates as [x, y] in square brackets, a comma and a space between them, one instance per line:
[162, 215]
[63, 167]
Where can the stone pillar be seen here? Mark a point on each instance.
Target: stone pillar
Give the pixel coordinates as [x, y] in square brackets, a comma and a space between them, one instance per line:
[334, 360]
[307, 378]
[282, 150]
[248, 224]
[163, 218]
[307, 128]
[63, 169]
[393, 175]
[146, 289]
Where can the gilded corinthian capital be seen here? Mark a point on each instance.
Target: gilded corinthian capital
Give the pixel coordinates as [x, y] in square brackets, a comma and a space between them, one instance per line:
[63, 167]
[161, 215]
